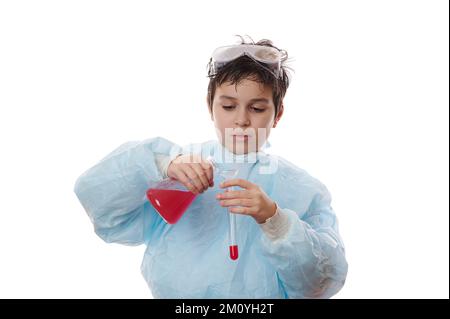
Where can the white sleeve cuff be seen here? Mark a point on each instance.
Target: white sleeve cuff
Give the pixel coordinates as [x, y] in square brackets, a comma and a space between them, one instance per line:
[276, 226]
[163, 162]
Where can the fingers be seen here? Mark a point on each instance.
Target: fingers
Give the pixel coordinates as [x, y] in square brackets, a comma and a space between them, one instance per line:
[196, 176]
[237, 182]
[193, 177]
[201, 176]
[234, 194]
[208, 168]
[246, 202]
[193, 172]
[184, 179]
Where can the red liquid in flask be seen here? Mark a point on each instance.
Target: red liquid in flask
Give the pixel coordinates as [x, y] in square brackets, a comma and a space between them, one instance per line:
[234, 252]
[170, 204]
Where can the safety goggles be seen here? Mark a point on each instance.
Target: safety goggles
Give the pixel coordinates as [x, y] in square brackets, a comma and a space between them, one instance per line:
[268, 57]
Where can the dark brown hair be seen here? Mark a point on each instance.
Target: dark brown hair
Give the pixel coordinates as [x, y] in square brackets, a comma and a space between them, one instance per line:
[245, 68]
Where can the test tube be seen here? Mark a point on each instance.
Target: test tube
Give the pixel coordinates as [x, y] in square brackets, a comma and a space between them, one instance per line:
[229, 174]
[234, 251]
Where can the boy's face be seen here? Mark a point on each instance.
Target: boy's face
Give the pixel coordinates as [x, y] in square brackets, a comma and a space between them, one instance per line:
[245, 109]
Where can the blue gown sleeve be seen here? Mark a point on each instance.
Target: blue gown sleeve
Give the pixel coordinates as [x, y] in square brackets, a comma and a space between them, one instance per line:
[113, 192]
[310, 256]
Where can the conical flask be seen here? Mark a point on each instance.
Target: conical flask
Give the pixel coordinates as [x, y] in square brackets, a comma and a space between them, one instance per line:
[170, 199]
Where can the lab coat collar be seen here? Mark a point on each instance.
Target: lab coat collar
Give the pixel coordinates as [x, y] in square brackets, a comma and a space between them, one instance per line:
[222, 156]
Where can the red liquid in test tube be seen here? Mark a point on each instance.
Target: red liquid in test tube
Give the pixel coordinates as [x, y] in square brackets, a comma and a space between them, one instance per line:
[234, 252]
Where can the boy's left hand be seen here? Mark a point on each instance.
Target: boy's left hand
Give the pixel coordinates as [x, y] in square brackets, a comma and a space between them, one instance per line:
[253, 201]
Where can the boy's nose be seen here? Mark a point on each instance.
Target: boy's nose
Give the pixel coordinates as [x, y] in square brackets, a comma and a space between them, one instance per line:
[242, 123]
[242, 120]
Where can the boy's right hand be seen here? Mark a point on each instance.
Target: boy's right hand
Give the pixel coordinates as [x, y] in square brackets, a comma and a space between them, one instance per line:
[195, 173]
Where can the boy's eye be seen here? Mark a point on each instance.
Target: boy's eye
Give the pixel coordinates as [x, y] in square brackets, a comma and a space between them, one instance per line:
[228, 107]
[257, 110]
[254, 109]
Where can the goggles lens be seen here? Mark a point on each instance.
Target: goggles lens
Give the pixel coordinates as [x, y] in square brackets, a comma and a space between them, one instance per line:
[261, 53]
[264, 54]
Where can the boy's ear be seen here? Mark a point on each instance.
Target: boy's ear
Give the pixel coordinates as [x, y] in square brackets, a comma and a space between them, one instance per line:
[280, 113]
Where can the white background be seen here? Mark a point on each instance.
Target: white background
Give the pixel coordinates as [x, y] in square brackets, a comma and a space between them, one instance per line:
[366, 113]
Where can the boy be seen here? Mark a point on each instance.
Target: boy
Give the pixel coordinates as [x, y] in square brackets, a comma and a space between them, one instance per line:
[287, 232]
